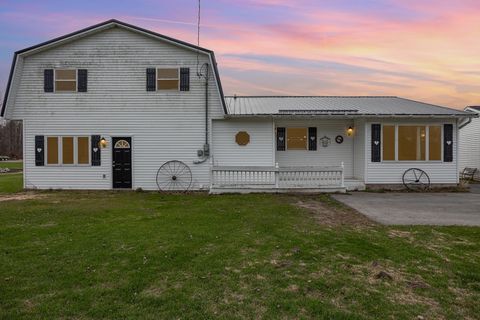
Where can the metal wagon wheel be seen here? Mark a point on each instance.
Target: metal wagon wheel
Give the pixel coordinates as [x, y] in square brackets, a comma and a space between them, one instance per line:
[174, 176]
[416, 179]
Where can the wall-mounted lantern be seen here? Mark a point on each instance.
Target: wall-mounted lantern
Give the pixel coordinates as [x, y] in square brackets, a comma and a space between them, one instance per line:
[350, 131]
[103, 143]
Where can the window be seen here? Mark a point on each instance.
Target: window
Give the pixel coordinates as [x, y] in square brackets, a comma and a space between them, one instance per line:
[168, 79]
[411, 143]
[83, 150]
[68, 150]
[388, 140]
[65, 80]
[435, 143]
[297, 138]
[52, 150]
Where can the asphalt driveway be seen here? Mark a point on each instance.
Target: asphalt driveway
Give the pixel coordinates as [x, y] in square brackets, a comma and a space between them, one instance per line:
[417, 208]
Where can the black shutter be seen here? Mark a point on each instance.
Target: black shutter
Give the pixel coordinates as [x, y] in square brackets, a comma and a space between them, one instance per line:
[39, 150]
[376, 146]
[281, 139]
[151, 79]
[312, 138]
[48, 80]
[448, 142]
[95, 150]
[82, 80]
[184, 79]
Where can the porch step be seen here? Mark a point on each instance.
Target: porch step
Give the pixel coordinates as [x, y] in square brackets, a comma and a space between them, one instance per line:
[354, 185]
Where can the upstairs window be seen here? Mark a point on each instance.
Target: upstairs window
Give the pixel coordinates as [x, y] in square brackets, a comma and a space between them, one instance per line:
[65, 80]
[168, 79]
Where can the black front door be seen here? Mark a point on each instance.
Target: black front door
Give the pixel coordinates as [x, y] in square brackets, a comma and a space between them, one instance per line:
[122, 163]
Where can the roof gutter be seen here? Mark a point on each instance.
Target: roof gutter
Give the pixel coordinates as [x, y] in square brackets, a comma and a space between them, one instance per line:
[362, 115]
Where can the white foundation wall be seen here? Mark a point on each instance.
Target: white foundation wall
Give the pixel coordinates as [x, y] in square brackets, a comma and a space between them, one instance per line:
[163, 125]
[391, 172]
[258, 152]
[333, 155]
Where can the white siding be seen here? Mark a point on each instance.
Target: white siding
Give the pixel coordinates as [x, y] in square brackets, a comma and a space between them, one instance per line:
[469, 144]
[259, 152]
[164, 125]
[391, 172]
[333, 155]
[359, 149]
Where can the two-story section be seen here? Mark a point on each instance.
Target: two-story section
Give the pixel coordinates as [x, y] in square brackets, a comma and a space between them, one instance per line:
[107, 106]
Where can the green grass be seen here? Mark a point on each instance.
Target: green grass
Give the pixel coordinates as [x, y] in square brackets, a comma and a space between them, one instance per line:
[11, 183]
[127, 255]
[11, 164]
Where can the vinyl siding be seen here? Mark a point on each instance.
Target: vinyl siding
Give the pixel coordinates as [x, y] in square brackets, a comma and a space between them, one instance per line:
[391, 172]
[359, 149]
[333, 155]
[259, 152]
[163, 125]
[469, 144]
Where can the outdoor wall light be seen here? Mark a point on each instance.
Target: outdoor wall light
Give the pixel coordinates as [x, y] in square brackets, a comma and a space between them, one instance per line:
[103, 143]
[349, 131]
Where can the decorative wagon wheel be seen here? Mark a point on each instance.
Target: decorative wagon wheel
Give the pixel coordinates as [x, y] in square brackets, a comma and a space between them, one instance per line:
[416, 179]
[174, 176]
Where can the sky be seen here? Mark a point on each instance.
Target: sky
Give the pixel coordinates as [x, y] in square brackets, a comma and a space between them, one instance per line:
[427, 50]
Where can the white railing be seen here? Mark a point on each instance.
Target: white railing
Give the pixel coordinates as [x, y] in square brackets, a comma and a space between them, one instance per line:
[241, 177]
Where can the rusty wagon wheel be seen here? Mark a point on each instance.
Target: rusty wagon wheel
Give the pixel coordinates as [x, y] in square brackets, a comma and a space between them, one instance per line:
[415, 179]
[174, 176]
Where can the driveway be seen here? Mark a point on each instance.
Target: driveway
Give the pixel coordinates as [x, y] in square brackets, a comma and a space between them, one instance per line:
[417, 208]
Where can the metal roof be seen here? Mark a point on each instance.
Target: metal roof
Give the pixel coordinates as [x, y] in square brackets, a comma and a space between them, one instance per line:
[354, 106]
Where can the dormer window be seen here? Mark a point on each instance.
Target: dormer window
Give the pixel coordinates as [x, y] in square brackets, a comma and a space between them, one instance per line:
[168, 79]
[65, 80]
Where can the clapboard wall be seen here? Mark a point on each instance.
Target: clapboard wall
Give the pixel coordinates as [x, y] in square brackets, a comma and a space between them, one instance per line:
[163, 125]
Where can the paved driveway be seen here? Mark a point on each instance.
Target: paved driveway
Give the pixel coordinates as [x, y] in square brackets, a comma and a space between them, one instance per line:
[417, 208]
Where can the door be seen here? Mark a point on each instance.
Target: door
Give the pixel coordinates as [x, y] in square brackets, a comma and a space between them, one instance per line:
[122, 162]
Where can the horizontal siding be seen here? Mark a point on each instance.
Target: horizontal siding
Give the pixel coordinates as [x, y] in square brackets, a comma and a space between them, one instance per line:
[259, 152]
[392, 172]
[333, 155]
[163, 125]
[359, 149]
[469, 144]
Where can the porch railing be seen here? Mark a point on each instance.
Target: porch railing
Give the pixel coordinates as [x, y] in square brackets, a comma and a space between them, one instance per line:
[277, 178]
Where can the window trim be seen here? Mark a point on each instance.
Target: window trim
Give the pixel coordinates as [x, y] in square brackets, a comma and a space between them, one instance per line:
[55, 80]
[427, 142]
[157, 79]
[75, 151]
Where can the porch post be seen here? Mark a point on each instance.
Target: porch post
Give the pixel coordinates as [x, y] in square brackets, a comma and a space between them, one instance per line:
[343, 176]
[276, 175]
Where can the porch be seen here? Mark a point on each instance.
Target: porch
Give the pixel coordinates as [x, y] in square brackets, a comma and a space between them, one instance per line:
[246, 179]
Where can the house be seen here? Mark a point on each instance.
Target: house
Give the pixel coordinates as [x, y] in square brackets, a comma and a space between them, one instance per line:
[469, 143]
[115, 106]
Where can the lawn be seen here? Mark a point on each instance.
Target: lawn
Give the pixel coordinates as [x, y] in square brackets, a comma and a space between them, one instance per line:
[11, 164]
[133, 255]
[11, 182]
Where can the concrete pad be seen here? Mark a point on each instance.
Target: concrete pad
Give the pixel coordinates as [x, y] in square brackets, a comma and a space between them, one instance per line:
[416, 208]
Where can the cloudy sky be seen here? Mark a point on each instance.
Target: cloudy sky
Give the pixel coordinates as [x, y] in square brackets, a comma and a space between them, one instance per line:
[420, 49]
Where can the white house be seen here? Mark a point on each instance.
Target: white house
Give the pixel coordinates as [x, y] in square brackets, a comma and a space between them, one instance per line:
[469, 142]
[116, 106]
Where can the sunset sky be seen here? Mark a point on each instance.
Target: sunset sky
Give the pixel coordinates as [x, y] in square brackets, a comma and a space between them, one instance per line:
[425, 50]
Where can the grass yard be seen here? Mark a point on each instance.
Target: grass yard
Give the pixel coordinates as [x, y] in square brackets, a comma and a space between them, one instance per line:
[128, 255]
[11, 183]
[11, 164]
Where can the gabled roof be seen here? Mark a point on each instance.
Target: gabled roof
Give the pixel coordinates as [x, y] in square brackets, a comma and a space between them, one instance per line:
[102, 26]
[475, 108]
[354, 106]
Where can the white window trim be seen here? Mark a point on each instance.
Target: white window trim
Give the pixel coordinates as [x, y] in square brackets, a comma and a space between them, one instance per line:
[75, 152]
[286, 139]
[427, 142]
[157, 78]
[66, 80]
